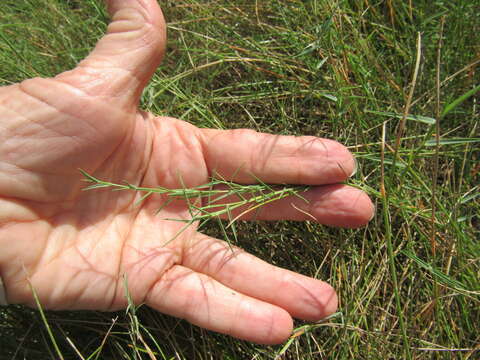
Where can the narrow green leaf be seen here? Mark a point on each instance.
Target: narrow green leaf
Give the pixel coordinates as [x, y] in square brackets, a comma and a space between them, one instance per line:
[45, 322]
[439, 275]
[386, 161]
[419, 118]
[459, 100]
[144, 197]
[470, 197]
[330, 97]
[88, 177]
[452, 141]
[95, 186]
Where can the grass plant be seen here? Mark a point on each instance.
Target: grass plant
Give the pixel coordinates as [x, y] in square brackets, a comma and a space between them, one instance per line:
[409, 283]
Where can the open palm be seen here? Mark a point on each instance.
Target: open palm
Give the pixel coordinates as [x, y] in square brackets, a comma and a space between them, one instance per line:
[75, 248]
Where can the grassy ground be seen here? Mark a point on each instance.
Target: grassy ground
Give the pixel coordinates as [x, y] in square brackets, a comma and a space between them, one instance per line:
[409, 283]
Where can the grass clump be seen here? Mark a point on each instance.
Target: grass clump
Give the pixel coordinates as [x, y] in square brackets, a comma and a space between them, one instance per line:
[337, 69]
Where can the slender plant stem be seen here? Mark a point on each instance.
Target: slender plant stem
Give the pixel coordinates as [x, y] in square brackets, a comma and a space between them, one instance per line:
[433, 228]
[391, 255]
[250, 196]
[45, 321]
[406, 111]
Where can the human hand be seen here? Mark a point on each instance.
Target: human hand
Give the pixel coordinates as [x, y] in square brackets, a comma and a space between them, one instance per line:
[75, 247]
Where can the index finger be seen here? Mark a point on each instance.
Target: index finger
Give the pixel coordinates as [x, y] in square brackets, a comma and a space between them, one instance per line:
[246, 156]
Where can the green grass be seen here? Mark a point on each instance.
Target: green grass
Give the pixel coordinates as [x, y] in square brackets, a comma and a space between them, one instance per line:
[337, 69]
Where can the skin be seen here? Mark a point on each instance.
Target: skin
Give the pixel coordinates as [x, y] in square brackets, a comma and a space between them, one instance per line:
[74, 247]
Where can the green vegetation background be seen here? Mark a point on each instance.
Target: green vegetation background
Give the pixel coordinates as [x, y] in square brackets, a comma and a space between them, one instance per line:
[338, 69]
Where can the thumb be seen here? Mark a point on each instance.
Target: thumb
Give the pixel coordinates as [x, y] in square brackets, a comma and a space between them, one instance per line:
[126, 57]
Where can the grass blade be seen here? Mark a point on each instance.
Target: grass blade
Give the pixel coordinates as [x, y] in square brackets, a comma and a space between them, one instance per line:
[459, 100]
[453, 141]
[439, 275]
[418, 118]
[45, 322]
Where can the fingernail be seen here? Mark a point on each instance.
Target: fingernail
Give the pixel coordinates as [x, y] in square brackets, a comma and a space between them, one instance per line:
[374, 211]
[355, 166]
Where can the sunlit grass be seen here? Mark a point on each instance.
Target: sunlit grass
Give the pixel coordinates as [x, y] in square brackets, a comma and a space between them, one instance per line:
[336, 69]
